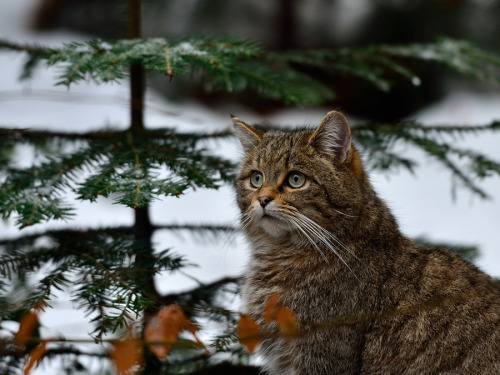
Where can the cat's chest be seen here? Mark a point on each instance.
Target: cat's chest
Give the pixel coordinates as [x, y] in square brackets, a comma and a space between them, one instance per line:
[314, 292]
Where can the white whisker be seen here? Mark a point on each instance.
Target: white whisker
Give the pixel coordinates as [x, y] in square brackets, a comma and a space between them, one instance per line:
[297, 225]
[342, 213]
[311, 231]
[329, 234]
[319, 232]
[327, 243]
[245, 221]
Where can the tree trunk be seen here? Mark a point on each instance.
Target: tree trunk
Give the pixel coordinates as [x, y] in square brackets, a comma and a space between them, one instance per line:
[143, 230]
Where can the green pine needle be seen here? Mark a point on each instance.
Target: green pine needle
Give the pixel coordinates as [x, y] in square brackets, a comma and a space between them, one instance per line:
[236, 65]
[134, 168]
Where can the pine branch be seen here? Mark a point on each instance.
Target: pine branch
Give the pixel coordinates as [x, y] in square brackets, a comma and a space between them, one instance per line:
[377, 140]
[426, 129]
[273, 80]
[439, 151]
[110, 247]
[99, 264]
[203, 293]
[381, 64]
[198, 227]
[11, 136]
[457, 55]
[378, 154]
[128, 165]
[105, 61]
[203, 232]
[235, 65]
[13, 244]
[10, 46]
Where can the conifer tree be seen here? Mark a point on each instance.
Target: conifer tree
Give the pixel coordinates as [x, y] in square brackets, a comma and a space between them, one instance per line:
[112, 269]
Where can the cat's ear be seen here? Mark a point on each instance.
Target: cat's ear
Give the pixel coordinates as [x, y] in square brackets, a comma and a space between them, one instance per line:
[248, 136]
[332, 137]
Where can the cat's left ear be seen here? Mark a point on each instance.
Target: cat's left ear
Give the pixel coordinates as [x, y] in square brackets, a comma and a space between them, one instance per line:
[332, 137]
[249, 137]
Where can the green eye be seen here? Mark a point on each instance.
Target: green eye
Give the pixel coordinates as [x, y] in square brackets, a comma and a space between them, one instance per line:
[257, 179]
[296, 179]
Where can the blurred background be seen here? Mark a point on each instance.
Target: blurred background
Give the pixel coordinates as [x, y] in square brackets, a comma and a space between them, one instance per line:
[299, 24]
[427, 204]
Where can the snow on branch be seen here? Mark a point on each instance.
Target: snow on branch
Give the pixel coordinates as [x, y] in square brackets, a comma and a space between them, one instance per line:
[235, 65]
[133, 168]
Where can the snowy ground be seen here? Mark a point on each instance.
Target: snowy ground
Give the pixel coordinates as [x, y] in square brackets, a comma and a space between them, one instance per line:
[422, 203]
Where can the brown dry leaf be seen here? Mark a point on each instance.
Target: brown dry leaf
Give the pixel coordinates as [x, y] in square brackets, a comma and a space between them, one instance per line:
[126, 355]
[35, 356]
[162, 330]
[26, 327]
[154, 334]
[287, 322]
[270, 308]
[192, 328]
[248, 333]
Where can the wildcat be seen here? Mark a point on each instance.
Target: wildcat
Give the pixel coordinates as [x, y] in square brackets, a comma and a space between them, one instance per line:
[367, 299]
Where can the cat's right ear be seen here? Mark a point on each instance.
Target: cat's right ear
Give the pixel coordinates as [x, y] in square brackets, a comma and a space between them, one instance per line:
[332, 137]
[249, 137]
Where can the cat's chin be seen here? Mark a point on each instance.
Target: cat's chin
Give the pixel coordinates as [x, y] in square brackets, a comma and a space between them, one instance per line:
[273, 226]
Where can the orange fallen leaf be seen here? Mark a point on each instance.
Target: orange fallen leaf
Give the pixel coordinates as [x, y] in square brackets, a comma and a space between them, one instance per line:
[270, 308]
[26, 327]
[154, 335]
[284, 317]
[35, 356]
[162, 329]
[126, 355]
[287, 322]
[248, 333]
[192, 329]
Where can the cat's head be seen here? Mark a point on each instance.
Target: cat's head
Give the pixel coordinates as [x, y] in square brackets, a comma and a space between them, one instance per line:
[295, 182]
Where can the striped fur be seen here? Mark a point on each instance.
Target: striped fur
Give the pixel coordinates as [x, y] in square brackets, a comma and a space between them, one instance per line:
[368, 300]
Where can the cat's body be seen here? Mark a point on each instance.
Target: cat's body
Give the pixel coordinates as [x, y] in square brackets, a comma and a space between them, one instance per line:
[367, 299]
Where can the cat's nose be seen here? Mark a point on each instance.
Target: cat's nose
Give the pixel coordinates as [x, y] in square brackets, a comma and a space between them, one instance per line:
[264, 200]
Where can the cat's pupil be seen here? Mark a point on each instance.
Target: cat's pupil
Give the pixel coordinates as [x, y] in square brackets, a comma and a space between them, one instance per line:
[256, 179]
[296, 179]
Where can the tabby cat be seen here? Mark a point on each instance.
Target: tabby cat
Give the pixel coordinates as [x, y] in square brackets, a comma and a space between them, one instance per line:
[367, 299]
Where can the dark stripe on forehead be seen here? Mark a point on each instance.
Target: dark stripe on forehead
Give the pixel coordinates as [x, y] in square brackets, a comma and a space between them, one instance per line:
[291, 145]
[277, 152]
[272, 156]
